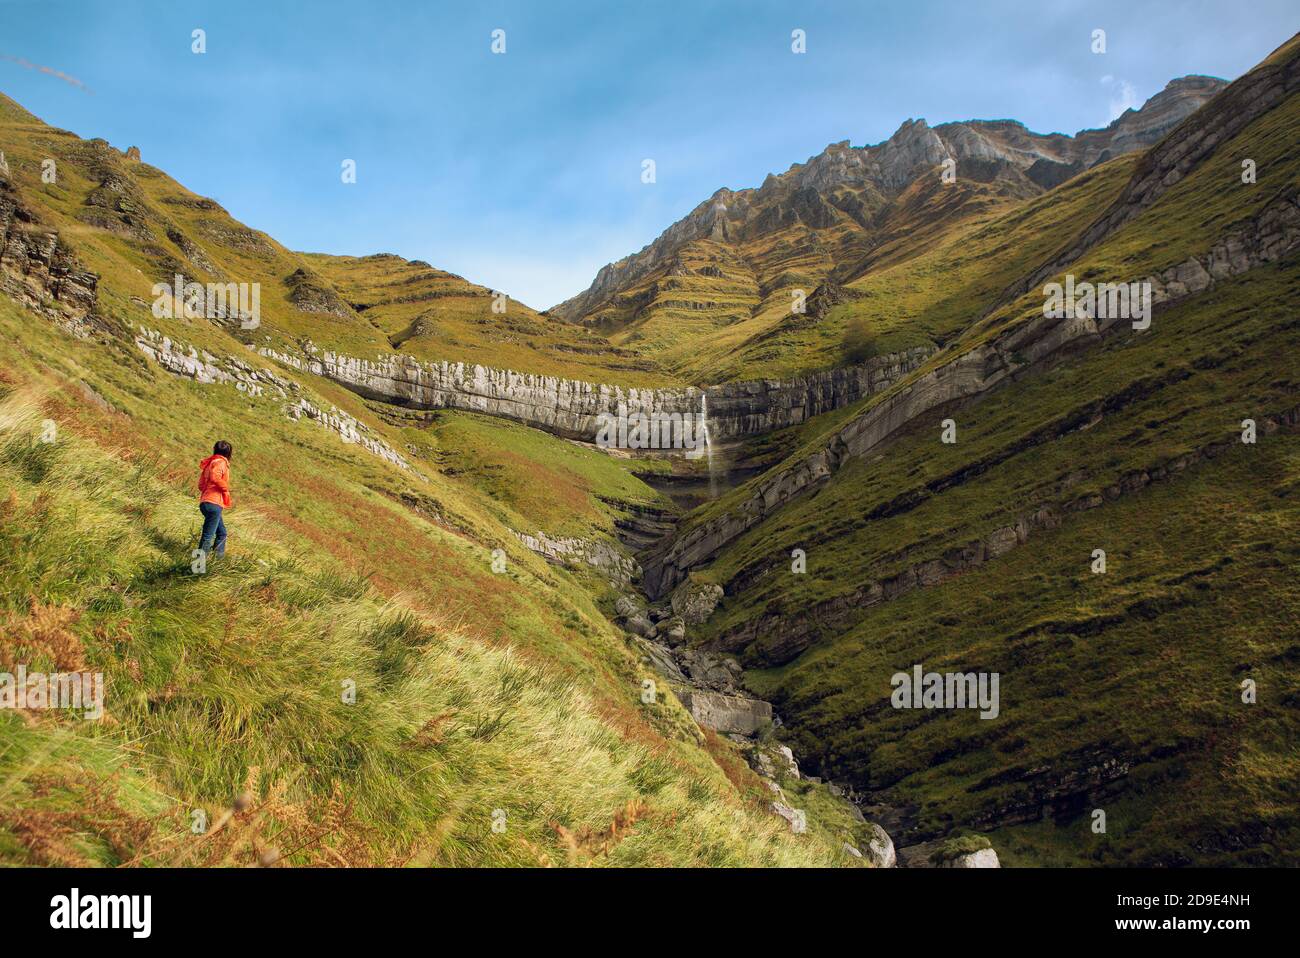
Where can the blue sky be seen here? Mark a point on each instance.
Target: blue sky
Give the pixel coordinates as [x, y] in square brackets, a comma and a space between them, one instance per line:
[522, 171]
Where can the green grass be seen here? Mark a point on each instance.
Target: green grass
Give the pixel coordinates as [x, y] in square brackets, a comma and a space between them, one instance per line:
[436, 316]
[1217, 360]
[150, 227]
[1141, 665]
[536, 480]
[475, 691]
[480, 691]
[924, 295]
[1186, 221]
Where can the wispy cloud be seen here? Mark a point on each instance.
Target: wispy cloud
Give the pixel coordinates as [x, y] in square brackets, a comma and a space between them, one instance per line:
[1123, 96]
[57, 74]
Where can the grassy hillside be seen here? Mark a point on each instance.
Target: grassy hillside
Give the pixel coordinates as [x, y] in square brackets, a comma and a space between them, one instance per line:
[1186, 221]
[1198, 594]
[134, 226]
[724, 312]
[474, 691]
[1120, 690]
[926, 283]
[435, 316]
[366, 543]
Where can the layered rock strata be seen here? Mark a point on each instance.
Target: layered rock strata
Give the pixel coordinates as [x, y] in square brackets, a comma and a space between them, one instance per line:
[573, 409]
[1267, 238]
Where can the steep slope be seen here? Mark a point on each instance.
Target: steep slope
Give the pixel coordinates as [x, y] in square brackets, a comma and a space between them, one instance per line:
[377, 507]
[148, 230]
[1121, 689]
[382, 670]
[436, 316]
[738, 258]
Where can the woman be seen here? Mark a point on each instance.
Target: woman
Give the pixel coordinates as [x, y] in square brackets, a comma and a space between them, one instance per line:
[214, 496]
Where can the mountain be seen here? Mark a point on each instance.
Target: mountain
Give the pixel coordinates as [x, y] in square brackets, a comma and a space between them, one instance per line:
[1101, 515]
[408, 655]
[453, 629]
[731, 264]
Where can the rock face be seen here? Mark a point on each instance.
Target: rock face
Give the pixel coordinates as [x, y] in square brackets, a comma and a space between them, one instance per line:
[603, 556]
[1138, 129]
[1185, 147]
[203, 367]
[38, 270]
[727, 713]
[1271, 235]
[846, 184]
[571, 409]
[751, 408]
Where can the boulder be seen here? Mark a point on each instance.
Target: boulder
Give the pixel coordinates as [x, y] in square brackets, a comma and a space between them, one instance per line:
[662, 660]
[640, 625]
[880, 847]
[695, 601]
[707, 670]
[626, 606]
[787, 758]
[795, 816]
[772, 762]
[673, 630]
[761, 763]
[727, 713]
[966, 851]
[984, 858]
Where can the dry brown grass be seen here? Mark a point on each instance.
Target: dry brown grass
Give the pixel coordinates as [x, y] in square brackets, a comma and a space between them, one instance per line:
[272, 830]
[58, 836]
[586, 844]
[43, 633]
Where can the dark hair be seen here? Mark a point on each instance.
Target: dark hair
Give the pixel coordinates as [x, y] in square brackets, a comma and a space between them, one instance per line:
[222, 448]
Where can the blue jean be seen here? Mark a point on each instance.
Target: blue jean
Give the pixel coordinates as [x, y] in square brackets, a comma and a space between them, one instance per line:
[213, 528]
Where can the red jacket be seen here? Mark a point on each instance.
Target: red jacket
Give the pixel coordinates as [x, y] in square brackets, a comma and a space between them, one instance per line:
[214, 481]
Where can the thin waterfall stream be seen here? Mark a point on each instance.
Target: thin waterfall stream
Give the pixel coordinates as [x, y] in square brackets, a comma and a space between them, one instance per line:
[708, 446]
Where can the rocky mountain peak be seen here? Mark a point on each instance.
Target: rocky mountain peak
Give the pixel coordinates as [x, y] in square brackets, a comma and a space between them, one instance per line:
[847, 181]
[1162, 112]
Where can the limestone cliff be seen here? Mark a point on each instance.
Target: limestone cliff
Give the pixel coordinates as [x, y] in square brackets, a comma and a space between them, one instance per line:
[569, 408]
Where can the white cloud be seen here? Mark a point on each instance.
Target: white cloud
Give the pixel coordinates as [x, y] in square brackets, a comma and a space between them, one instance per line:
[1123, 96]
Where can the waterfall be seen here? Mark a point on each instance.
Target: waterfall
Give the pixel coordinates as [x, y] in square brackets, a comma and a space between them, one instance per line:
[708, 445]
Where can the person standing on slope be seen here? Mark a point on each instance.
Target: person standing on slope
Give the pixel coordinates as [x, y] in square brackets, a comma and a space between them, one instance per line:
[214, 496]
